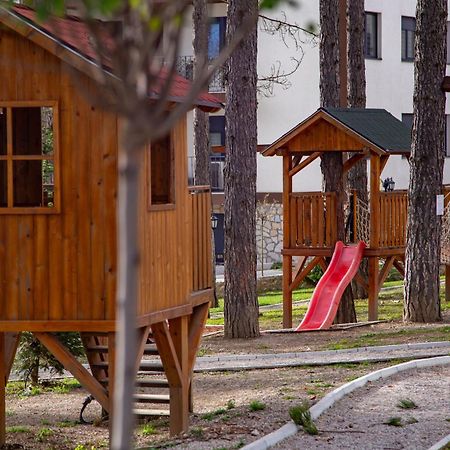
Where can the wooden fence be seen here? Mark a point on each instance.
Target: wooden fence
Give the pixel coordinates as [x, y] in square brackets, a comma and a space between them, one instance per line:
[200, 197]
[313, 219]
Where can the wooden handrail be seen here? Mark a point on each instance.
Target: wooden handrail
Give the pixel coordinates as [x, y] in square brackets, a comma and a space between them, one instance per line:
[201, 188]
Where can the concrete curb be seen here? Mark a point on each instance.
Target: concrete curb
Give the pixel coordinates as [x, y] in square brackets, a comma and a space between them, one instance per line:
[441, 444]
[353, 355]
[290, 428]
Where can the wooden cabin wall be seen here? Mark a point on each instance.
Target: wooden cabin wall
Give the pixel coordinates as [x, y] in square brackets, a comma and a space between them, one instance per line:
[165, 238]
[61, 266]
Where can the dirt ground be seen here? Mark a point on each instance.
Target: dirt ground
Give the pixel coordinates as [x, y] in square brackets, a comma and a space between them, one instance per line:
[230, 408]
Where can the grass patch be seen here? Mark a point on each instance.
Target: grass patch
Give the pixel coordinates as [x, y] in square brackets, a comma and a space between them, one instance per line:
[406, 403]
[18, 429]
[43, 434]
[211, 415]
[147, 430]
[301, 416]
[256, 405]
[394, 422]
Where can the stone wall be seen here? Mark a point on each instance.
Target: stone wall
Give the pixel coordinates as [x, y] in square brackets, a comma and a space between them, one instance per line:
[269, 232]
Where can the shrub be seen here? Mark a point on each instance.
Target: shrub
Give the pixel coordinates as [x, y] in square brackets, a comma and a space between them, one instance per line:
[301, 416]
[33, 356]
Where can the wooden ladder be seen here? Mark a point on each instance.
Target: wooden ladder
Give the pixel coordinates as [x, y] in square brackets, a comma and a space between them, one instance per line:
[152, 387]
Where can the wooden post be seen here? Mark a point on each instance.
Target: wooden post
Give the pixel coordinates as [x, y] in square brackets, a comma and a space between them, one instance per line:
[287, 260]
[179, 393]
[373, 287]
[447, 283]
[111, 378]
[2, 390]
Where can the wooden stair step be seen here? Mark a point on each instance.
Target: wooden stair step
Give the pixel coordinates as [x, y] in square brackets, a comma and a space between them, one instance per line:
[152, 398]
[149, 383]
[151, 366]
[151, 412]
[149, 349]
[153, 383]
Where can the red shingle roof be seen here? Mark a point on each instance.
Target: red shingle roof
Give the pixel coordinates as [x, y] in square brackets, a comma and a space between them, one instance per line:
[73, 33]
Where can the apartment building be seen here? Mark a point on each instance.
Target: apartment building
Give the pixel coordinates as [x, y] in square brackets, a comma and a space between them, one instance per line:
[390, 27]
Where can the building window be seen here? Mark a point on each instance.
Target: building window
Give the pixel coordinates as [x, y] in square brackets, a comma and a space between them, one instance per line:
[217, 160]
[371, 37]
[161, 186]
[28, 158]
[408, 32]
[216, 41]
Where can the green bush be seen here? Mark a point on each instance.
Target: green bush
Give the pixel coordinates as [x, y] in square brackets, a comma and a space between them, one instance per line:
[33, 356]
[316, 274]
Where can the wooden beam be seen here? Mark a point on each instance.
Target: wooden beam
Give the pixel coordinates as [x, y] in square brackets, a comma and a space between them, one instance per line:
[399, 266]
[179, 395]
[287, 260]
[374, 201]
[353, 160]
[11, 344]
[196, 326]
[297, 159]
[299, 266]
[111, 378]
[142, 341]
[304, 273]
[71, 364]
[383, 161]
[385, 270]
[303, 164]
[287, 291]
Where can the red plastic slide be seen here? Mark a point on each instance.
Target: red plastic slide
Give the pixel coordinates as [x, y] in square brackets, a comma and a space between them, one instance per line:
[327, 295]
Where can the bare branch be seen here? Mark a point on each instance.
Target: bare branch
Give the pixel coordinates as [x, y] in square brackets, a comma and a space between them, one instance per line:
[278, 77]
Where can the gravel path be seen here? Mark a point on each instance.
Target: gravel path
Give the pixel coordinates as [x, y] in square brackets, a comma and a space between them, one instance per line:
[358, 420]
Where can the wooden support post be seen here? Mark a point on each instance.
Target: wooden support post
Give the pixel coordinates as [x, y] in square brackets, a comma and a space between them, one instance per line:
[172, 347]
[2, 390]
[179, 395]
[287, 292]
[111, 377]
[373, 288]
[447, 283]
[72, 365]
[287, 260]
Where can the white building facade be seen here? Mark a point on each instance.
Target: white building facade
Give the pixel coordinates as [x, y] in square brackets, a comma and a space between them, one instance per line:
[389, 76]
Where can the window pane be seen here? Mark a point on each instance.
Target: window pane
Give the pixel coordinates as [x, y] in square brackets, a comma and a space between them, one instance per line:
[215, 139]
[161, 172]
[214, 40]
[3, 140]
[371, 36]
[408, 33]
[3, 185]
[33, 183]
[32, 131]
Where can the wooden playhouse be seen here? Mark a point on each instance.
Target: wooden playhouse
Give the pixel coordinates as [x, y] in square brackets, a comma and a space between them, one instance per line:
[58, 233]
[309, 218]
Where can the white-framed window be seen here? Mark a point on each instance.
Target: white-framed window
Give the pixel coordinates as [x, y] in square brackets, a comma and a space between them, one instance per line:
[372, 35]
[408, 34]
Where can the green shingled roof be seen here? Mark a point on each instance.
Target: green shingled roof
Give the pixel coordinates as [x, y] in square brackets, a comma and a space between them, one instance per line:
[376, 125]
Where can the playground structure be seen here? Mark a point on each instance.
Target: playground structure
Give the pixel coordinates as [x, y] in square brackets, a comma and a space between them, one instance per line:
[58, 233]
[309, 218]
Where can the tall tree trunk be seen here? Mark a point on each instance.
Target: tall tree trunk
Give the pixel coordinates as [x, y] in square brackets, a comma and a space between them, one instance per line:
[202, 166]
[331, 163]
[356, 98]
[422, 302]
[241, 302]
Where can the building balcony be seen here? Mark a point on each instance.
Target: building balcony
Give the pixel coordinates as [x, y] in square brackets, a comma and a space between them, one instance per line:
[185, 67]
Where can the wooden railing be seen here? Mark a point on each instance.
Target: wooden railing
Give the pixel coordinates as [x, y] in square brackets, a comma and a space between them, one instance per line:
[393, 218]
[312, 219]
[200, 198]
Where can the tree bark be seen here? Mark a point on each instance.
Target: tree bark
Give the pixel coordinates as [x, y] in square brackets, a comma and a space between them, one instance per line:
[241, 302]
[201, 122]
[422, 302]
[356, 98]
[331, 163]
